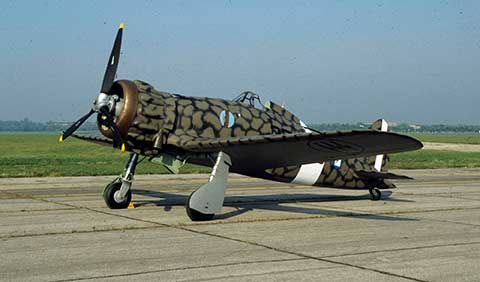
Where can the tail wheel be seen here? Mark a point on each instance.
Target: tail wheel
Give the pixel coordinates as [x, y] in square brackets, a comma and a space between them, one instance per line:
[109, 196]
[375, 194]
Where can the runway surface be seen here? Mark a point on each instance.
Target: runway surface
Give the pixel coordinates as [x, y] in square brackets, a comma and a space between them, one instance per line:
[59, 229]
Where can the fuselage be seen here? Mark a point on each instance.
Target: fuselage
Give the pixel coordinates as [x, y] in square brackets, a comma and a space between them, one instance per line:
[163, 122]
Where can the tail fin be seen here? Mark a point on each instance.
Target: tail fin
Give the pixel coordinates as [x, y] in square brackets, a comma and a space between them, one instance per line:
[379, 124]
[381, 161]
[380, 164]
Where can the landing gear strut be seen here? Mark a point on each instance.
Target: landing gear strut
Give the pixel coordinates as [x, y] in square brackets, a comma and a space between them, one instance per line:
[117, 194]
[375, 194]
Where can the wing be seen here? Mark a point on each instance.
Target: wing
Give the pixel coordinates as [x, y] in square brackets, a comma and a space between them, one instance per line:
[268, 151]
[95, 139]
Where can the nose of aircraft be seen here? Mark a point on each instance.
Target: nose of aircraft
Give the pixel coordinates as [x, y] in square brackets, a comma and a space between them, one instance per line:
[122, 103]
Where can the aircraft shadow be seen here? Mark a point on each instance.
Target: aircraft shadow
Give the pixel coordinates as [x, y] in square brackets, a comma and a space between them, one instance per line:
[276, 202]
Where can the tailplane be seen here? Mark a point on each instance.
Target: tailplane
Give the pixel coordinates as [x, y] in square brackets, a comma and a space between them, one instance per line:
[380, 175]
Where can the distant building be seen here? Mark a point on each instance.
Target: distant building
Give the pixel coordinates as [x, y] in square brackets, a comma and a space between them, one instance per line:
[415, 127]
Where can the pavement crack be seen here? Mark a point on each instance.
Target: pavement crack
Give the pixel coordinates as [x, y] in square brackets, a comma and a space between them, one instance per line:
[413, 212]
[112, 229]
[178, 269]
[403, 249]
[302, 255]
[222, 278]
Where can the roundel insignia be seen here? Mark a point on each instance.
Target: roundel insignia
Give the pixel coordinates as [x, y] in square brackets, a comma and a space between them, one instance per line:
[226, 119]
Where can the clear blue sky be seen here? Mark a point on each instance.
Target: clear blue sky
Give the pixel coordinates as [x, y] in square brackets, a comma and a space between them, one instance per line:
[345, 61]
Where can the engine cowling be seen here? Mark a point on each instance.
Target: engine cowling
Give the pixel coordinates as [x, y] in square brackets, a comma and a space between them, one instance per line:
[123, 101]
[142, 114]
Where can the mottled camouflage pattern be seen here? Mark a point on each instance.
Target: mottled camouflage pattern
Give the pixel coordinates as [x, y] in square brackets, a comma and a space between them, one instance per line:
[167, 120]
[156, 117]
[176, 120]
[342, 177]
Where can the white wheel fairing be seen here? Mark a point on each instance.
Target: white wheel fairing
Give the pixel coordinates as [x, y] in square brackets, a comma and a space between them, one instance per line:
[208, 199]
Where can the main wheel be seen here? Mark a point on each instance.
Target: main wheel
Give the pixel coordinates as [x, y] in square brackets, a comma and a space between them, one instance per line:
[375, 194]
[109, 196]
[195, 215]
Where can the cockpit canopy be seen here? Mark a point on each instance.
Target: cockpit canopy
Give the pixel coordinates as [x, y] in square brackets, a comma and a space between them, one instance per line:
[250, 98]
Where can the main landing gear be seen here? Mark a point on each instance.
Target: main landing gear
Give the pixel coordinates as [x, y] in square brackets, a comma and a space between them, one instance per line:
[207, 200]
[202, 204]
[118, 194]
[375, 194]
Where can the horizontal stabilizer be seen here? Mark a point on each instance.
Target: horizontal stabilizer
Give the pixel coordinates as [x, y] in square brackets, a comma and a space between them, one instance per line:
[380, 175]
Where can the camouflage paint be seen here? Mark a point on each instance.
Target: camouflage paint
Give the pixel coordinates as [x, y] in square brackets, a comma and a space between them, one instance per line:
[166, 122]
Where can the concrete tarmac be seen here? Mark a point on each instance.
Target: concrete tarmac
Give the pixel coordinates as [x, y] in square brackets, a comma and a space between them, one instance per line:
[59, 229]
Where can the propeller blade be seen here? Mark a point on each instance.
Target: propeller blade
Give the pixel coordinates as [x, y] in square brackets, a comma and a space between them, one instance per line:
[110, 123]
[74, 126]
[100, 105]
[112, 63]
[118, 142]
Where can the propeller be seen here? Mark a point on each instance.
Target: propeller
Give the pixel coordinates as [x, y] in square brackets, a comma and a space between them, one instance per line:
[100, 105]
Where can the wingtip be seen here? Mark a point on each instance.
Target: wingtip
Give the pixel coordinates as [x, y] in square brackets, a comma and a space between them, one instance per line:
[418, 143]
[121, 25]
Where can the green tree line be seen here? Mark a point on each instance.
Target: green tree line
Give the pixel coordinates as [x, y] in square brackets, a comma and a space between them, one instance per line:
[26, 125]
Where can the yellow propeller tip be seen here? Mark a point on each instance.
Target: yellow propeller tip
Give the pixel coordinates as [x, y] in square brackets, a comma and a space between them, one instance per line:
[60, 139]
[123, 148]
[121, 25]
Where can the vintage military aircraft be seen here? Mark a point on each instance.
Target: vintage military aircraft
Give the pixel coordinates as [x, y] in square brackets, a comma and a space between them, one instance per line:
[240, 135]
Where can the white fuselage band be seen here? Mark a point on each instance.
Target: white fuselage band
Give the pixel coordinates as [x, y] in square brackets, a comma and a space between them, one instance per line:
[308, 174]
[379, 158]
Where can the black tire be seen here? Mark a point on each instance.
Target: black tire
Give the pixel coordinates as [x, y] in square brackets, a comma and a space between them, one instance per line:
[108, 196]
[375, 194]
[195, 215]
